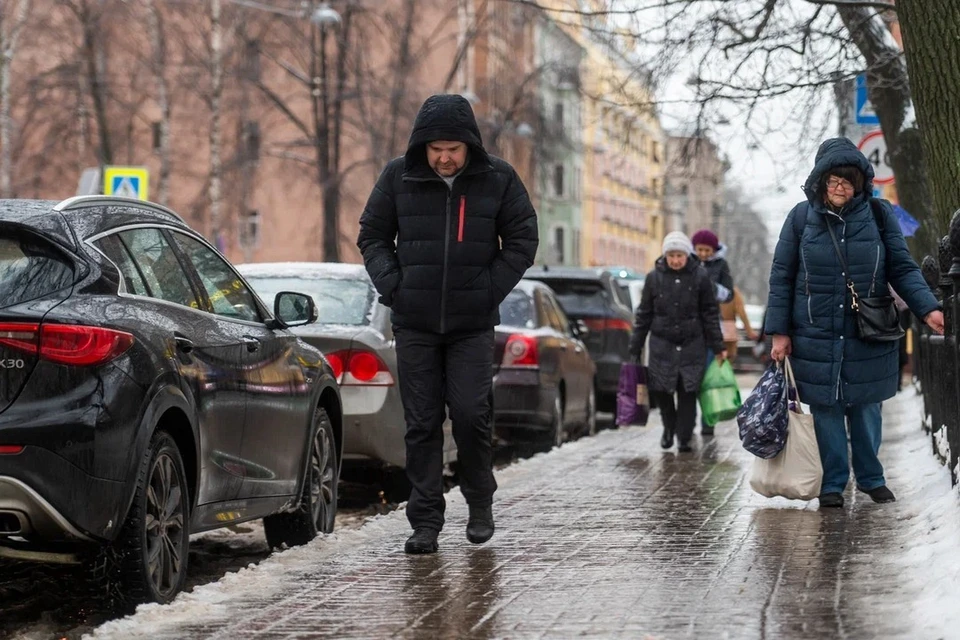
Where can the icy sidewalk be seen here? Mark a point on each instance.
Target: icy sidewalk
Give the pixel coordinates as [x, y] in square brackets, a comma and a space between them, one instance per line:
[611, 537]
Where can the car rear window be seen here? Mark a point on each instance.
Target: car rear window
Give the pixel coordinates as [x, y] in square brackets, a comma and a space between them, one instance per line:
[517, 310]
[339, 300]
[30, 268]
[581, 297]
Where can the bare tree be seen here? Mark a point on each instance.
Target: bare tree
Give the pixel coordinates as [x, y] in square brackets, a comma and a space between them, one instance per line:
[158, 44]
[8, 49]
[216, 134]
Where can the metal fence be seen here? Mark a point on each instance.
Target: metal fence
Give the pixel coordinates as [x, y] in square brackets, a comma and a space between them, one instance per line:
[936, 359]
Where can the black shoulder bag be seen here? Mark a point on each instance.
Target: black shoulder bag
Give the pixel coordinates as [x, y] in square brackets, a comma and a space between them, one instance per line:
[877, 317]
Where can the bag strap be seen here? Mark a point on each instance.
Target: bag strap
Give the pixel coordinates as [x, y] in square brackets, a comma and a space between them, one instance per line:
[846, 271]
[791, 382]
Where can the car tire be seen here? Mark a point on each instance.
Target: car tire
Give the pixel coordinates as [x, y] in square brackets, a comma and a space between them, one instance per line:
[317, 511]
[557, 432]
[148, 560]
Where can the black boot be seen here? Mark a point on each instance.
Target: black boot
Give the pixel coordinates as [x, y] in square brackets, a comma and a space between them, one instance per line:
[684, 447]
[667, 440]
[480, 525]
[831, 501]
[423, 540]
[880, 494]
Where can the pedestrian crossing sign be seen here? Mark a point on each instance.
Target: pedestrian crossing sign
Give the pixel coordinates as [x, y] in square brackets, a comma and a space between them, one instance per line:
[128, 182]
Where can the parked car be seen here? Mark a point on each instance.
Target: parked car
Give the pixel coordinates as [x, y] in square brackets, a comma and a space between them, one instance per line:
[750, 356]
[629, 283]
[592, 296]
[355, 333]
[544, 378]
[146, 394]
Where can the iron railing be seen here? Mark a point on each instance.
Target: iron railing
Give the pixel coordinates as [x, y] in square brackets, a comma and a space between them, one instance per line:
[936, 359]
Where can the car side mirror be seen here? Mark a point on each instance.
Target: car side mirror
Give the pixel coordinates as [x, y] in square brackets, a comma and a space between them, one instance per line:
[295, 309]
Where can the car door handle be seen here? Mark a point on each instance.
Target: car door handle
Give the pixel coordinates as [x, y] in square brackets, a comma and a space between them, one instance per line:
[563, 346]
[252, 343]
[184, 344]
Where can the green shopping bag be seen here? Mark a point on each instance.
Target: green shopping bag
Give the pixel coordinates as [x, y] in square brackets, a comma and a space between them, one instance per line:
[719, 393]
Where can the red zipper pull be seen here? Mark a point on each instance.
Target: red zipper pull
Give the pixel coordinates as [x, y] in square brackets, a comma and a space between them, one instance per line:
[463, 210]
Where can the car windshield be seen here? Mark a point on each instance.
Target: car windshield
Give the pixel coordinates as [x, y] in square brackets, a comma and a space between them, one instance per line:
[517, 310]
[339, 300]
[29, 269]
[581, 297]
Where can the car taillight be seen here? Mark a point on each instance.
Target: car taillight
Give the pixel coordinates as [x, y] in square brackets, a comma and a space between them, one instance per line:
[607, 324]
[520, 351]
[359, 367]
[10, 449]
[75, 345]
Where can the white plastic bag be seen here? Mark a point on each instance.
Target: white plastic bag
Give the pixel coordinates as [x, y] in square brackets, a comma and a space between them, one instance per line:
[796, 472]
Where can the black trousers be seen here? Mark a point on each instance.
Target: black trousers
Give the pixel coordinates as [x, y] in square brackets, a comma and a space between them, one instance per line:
[681, 417]
[436, 372]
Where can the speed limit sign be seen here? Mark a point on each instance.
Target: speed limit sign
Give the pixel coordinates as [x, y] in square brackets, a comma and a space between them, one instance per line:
[874, 147]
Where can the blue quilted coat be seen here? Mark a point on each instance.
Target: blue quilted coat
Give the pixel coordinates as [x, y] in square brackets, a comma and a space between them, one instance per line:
[808, 297]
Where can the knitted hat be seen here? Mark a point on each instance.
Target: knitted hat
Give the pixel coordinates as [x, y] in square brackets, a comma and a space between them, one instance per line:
[677, 241]
[707, 237]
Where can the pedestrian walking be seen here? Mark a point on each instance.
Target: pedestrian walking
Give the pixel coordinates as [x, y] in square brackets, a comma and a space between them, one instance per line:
[679, 311]
[839, 240]
[729, 313]
[446, 234]
[713, 255]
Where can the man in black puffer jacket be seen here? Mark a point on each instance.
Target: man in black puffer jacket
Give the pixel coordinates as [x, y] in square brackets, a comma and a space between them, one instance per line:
[447, 233]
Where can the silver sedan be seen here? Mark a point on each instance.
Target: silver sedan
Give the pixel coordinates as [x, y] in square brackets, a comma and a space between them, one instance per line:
[356, 337]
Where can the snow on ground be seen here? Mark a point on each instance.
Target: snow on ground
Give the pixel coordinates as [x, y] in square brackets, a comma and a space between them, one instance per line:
[926, 501]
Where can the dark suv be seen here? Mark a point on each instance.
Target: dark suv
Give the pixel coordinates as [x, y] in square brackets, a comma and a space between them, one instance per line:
[593, 297]
[146, 393]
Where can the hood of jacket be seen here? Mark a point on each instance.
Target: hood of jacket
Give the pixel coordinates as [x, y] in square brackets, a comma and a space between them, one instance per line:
[719, 254]
[837, 152]
[444, 117]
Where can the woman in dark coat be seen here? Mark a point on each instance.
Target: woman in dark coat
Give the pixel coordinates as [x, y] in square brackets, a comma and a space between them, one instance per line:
[679, 310]
[810, 317]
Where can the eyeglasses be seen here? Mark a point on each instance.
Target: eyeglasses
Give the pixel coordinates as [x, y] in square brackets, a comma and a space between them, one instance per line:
[839, 183]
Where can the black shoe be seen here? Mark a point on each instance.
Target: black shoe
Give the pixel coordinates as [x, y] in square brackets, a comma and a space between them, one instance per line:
[423, 540]
[831, 501]
[667, 440]
[706, 431]
[880, 494]
[480, 525]
[684, 447]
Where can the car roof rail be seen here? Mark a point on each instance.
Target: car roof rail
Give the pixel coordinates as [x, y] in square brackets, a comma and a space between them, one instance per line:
[80, 202]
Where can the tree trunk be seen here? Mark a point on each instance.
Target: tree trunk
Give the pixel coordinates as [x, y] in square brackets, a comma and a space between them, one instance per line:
[931, 39]
[216, 135]
[889, 89]
[93, 40]
[159, 44]
[9, 46]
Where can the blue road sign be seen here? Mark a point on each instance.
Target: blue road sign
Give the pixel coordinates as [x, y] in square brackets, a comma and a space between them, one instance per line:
[864, 112]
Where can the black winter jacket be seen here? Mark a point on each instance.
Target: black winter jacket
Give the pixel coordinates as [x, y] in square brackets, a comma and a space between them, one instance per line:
[443, 259]
[719, 271]
[679, 310]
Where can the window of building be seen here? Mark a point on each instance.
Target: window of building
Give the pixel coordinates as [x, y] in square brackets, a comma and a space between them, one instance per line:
[559, 244]
[558, 180]
[251, 140]
[655, 186]
[251, 61]
[576, 247]
[655, 151]
[252, 228]
[558, 115]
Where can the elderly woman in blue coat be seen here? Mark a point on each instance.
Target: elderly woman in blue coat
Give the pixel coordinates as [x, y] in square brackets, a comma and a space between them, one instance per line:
[810, 316]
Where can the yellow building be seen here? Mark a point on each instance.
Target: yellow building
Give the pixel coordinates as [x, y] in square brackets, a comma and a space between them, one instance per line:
[624, 164]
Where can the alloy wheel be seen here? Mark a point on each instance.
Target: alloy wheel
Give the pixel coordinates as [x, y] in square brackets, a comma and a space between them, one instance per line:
[322, 479]
[164, 524]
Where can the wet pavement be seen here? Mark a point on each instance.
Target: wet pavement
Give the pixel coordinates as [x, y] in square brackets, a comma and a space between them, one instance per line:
[612, 537]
